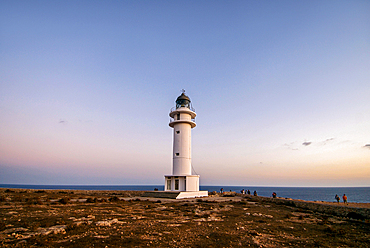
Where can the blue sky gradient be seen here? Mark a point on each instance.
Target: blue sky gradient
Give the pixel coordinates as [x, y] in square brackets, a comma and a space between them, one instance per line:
[281, 90]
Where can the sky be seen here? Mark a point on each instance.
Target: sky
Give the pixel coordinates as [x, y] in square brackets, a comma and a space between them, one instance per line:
[281, 90]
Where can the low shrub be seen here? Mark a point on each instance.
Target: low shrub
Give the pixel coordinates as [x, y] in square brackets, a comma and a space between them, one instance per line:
[114, 199]
[91, 200]
[64, 200]
[34, 200]
[354, 215]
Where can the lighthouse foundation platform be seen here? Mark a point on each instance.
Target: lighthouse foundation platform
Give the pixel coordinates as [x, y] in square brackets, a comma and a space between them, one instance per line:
[176, 194]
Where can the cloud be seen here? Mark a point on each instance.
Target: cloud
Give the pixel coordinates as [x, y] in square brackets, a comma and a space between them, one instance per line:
[62, 121]
[327, 140]
[290, 146]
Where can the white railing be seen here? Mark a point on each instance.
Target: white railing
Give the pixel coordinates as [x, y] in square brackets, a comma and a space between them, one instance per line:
[174, 108]
[173, 120]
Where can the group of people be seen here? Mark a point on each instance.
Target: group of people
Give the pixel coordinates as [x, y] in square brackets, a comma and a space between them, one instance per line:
[255, 193]
[344, 197]
[242, 191]
[338, 198]
[248, 192]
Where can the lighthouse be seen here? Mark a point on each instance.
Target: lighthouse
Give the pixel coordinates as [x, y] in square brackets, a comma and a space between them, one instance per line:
[182, 180]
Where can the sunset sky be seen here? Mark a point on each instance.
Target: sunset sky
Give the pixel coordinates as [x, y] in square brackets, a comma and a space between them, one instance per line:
[281, 90]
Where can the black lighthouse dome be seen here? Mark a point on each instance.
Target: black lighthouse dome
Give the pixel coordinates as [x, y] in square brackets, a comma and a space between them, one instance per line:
[183, 101]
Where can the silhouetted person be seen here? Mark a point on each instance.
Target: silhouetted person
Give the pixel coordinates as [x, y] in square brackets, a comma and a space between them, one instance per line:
[249, 192]
[344, 198]
[273, 195]
[255, 193]
[337, 198]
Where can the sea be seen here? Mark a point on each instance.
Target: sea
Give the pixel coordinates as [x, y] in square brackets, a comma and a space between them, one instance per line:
[354, 194]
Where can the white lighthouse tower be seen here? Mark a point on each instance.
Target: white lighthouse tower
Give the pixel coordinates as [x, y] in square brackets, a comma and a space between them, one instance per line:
[182, 180]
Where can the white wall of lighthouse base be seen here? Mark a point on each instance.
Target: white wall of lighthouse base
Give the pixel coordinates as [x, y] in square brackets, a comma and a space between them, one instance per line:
[187, 183]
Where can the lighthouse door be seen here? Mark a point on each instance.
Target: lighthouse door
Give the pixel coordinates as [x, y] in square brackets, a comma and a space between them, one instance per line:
[176, 184]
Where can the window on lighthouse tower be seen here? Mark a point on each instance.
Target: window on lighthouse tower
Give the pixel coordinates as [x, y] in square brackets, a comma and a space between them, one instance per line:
[178, 116]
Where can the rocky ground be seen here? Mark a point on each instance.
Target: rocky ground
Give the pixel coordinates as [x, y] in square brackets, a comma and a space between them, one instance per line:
[60, 218]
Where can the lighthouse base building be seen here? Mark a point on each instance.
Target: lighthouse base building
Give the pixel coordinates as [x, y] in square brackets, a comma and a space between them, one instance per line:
[182, 181]
[187, 186]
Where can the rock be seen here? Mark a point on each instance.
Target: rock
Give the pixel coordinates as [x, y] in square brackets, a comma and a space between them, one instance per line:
[263, 215]
[161, 208]
[15, 230]
[199, 220]
[107, 222]
[174, 225]
[22, 242]
[53, 230]
[101, 237]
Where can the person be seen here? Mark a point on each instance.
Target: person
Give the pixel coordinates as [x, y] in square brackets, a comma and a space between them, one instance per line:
[273, 195]
[242, 191]
[255, 193]
[344, 198]
[249, 192]
[222, 190]
[337, 198]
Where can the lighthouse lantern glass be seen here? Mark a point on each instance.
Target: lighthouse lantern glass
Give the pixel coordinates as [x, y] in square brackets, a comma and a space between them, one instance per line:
[182, 103]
